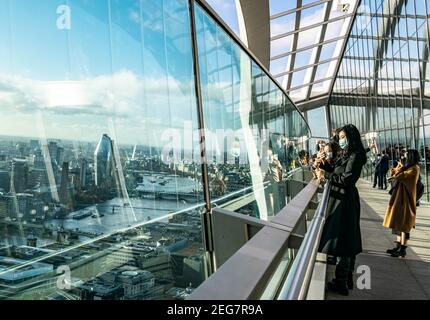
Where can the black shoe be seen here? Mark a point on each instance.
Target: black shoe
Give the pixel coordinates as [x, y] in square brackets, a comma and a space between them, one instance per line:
[350, 281]
[395, 249]
[338, 287]
[400, 253]
[374, 187]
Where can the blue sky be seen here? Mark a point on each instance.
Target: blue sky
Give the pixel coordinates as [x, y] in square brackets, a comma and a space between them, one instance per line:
[76, 81]
[226, 9]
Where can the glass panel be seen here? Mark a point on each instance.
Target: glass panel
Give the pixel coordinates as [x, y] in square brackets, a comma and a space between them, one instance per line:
[101, 178]
[253, 133]
[282, 24]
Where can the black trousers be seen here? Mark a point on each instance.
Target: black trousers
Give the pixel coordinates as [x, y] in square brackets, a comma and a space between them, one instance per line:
[344, 267]
[382, 179]
[375, 178]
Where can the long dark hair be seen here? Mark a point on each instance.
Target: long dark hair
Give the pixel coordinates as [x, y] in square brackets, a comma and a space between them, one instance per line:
[413, 157]
[355, 145]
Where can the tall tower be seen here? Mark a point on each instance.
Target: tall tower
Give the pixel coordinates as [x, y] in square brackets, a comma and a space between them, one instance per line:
[60, 155]
[53, 150]
[103, 157]
[64, 192]
[19, 176]
[83, 172]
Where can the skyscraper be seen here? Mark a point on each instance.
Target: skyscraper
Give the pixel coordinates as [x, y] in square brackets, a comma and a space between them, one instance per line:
[103, 159]
[53, 150]
[64, 192]
[39, 161]
[60, 155]
[19, 176]
[83, 172]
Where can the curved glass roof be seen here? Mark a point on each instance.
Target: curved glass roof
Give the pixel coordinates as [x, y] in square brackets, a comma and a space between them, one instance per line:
[307, 38]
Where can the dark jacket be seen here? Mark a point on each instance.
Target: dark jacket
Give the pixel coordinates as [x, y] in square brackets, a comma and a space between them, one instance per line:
[341, 235]
[384, 163]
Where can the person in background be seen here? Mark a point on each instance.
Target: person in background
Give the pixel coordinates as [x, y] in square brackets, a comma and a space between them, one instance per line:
[383, 169]
[274, 176]
[328, 158]
[341, 236]
[320, 145]
[376, 166]
[401, 211]
[334, 135]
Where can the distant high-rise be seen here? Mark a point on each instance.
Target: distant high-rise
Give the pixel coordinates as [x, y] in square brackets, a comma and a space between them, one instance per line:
[5, 180]
[19, 176]
[64, 192]
[34, 144]
[60, 155]
[39, 160]
[103, 159]
[7, 205]
[83, 170]
[53, 150]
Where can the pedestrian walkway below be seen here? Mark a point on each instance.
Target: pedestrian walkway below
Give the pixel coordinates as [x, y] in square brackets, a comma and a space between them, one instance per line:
[391, 278]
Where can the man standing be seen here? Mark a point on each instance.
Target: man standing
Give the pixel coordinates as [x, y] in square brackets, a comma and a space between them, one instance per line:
[383, 169]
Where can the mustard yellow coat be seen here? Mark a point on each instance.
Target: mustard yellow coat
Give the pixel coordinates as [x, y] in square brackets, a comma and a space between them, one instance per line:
[402, 208]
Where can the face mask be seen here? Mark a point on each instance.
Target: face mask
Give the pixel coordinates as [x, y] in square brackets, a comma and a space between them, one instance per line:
[329, 155]
[343, 143]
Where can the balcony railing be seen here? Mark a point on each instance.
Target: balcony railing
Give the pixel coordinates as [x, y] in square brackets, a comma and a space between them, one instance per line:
[268, 260]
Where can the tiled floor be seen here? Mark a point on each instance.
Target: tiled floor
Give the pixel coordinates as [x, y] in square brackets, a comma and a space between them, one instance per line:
[391, 278]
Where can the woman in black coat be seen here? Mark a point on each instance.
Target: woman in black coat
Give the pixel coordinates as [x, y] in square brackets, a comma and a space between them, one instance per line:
[341, 235]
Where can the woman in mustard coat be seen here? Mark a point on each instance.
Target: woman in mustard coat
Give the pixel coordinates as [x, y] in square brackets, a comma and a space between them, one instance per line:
[401, 211]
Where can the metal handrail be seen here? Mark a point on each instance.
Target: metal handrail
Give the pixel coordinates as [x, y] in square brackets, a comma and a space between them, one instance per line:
[298, 280]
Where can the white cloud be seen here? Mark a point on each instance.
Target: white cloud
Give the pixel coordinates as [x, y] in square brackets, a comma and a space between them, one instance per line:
[121, 95]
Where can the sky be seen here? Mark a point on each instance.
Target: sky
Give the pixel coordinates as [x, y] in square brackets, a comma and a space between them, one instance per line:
[100, 76]
[226, 9]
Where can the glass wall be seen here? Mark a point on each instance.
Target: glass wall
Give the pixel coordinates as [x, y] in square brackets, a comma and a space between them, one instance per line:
[383, 82]
[253, 132]
[101, 192]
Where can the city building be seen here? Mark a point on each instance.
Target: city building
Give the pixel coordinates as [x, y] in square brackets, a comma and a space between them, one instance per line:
[65, 197]
[4, 181]
[103, 161]
[21, 274]
[83, 172]
[19, 175]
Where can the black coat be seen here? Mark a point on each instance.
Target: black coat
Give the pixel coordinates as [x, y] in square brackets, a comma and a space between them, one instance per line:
[341, 236]
[384, 164]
